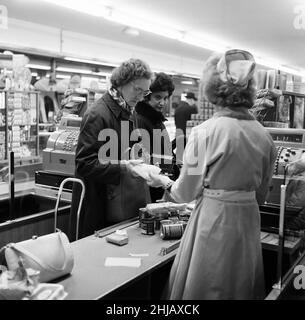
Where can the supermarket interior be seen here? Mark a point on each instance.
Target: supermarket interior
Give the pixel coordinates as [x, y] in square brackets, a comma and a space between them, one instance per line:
[152, 150]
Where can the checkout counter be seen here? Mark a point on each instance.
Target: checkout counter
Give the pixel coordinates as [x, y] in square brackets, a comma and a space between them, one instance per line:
[92, 279]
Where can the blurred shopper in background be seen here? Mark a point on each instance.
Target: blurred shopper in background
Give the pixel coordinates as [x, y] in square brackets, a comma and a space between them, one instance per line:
[183, 113]
[149, 116]
[103, 176]
[227, 169]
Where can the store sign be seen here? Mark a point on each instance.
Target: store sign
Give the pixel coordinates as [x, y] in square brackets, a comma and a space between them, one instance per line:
[299, 280]
[3, 17]
[299, 20]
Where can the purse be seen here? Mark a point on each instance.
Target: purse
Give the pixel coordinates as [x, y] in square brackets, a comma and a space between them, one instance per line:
[125, 199]
[50, 254]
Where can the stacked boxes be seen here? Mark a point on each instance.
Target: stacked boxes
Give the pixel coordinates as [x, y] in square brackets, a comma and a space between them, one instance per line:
[196, 119]
[207, 109]
[21, 115]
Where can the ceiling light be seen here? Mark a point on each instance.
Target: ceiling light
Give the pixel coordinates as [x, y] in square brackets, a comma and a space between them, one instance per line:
[187, 82]
[202, 43]
[190, 75]
[62, 76]
[143, 24]
[73, 70]
[102, 74]
[171, 73]
[131, 32]
[278, 66]
[93, 78]
[38, 66]
[34, 74]
[107, 64]
[95, 8]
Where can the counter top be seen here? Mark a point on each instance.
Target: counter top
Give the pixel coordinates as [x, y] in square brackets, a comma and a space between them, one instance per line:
[91, 279]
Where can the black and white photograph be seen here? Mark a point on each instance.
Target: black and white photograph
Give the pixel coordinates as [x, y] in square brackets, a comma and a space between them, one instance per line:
[152, 153]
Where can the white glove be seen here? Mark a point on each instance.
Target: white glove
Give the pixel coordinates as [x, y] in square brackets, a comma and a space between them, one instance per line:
[129, 164]
[159, 180]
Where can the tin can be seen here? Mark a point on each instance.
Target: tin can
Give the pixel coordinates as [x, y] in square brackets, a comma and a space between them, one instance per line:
[142, 215]
[171, 231]
[148, 226]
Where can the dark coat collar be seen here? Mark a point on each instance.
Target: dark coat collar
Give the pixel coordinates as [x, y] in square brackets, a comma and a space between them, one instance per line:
[117, 110]
[146, 110]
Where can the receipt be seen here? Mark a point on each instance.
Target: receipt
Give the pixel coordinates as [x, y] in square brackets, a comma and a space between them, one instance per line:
[123, 262]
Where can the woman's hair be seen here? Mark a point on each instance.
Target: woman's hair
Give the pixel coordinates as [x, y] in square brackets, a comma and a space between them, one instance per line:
[225, 94]
[128, 71]
[162, 82]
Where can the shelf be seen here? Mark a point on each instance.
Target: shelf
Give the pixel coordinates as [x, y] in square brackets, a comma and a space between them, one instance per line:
[22, 160]
[290, 93]
[46, 124]
[19, 91]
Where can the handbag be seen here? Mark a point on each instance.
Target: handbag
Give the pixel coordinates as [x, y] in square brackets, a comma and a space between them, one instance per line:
[50, 254]
[125, 199]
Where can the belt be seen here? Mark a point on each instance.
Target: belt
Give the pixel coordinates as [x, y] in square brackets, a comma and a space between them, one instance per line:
[224, 195]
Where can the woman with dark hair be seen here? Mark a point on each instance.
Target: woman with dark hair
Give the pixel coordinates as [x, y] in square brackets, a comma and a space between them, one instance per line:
[227, 168]
[149, 116]
[102, 173]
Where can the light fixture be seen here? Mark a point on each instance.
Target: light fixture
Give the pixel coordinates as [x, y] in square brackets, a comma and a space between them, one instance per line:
[74, 70]
[94, 8]
[62, 76]
[38, 66]
[131, 32]
[102, 74]
[94, 78]
[187, 82]
[190, 76]
[107, 64]
[171, 73]
[202, 43]
[278, 66]
[143, 24]
[34, 74]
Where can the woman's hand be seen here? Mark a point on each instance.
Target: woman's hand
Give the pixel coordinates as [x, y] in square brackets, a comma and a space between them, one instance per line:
[159, 180]
[130, 164]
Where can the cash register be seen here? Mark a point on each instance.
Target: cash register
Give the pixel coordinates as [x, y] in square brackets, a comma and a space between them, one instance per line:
[59, 154]
[290, 144]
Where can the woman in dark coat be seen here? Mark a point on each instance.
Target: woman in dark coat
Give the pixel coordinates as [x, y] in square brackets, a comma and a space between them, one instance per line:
[148, 115]
[102, 173]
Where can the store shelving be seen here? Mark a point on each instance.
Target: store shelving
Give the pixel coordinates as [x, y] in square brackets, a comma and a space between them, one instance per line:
[288, 111]
[19, 129]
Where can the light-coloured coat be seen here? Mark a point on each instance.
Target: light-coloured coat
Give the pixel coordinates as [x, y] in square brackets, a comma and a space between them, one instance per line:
[227, 168]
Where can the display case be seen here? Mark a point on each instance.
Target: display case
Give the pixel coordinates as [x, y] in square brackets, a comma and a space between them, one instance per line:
[19, 129]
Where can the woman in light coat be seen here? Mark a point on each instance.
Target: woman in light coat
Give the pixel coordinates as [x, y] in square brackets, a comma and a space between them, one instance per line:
[227, 168]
